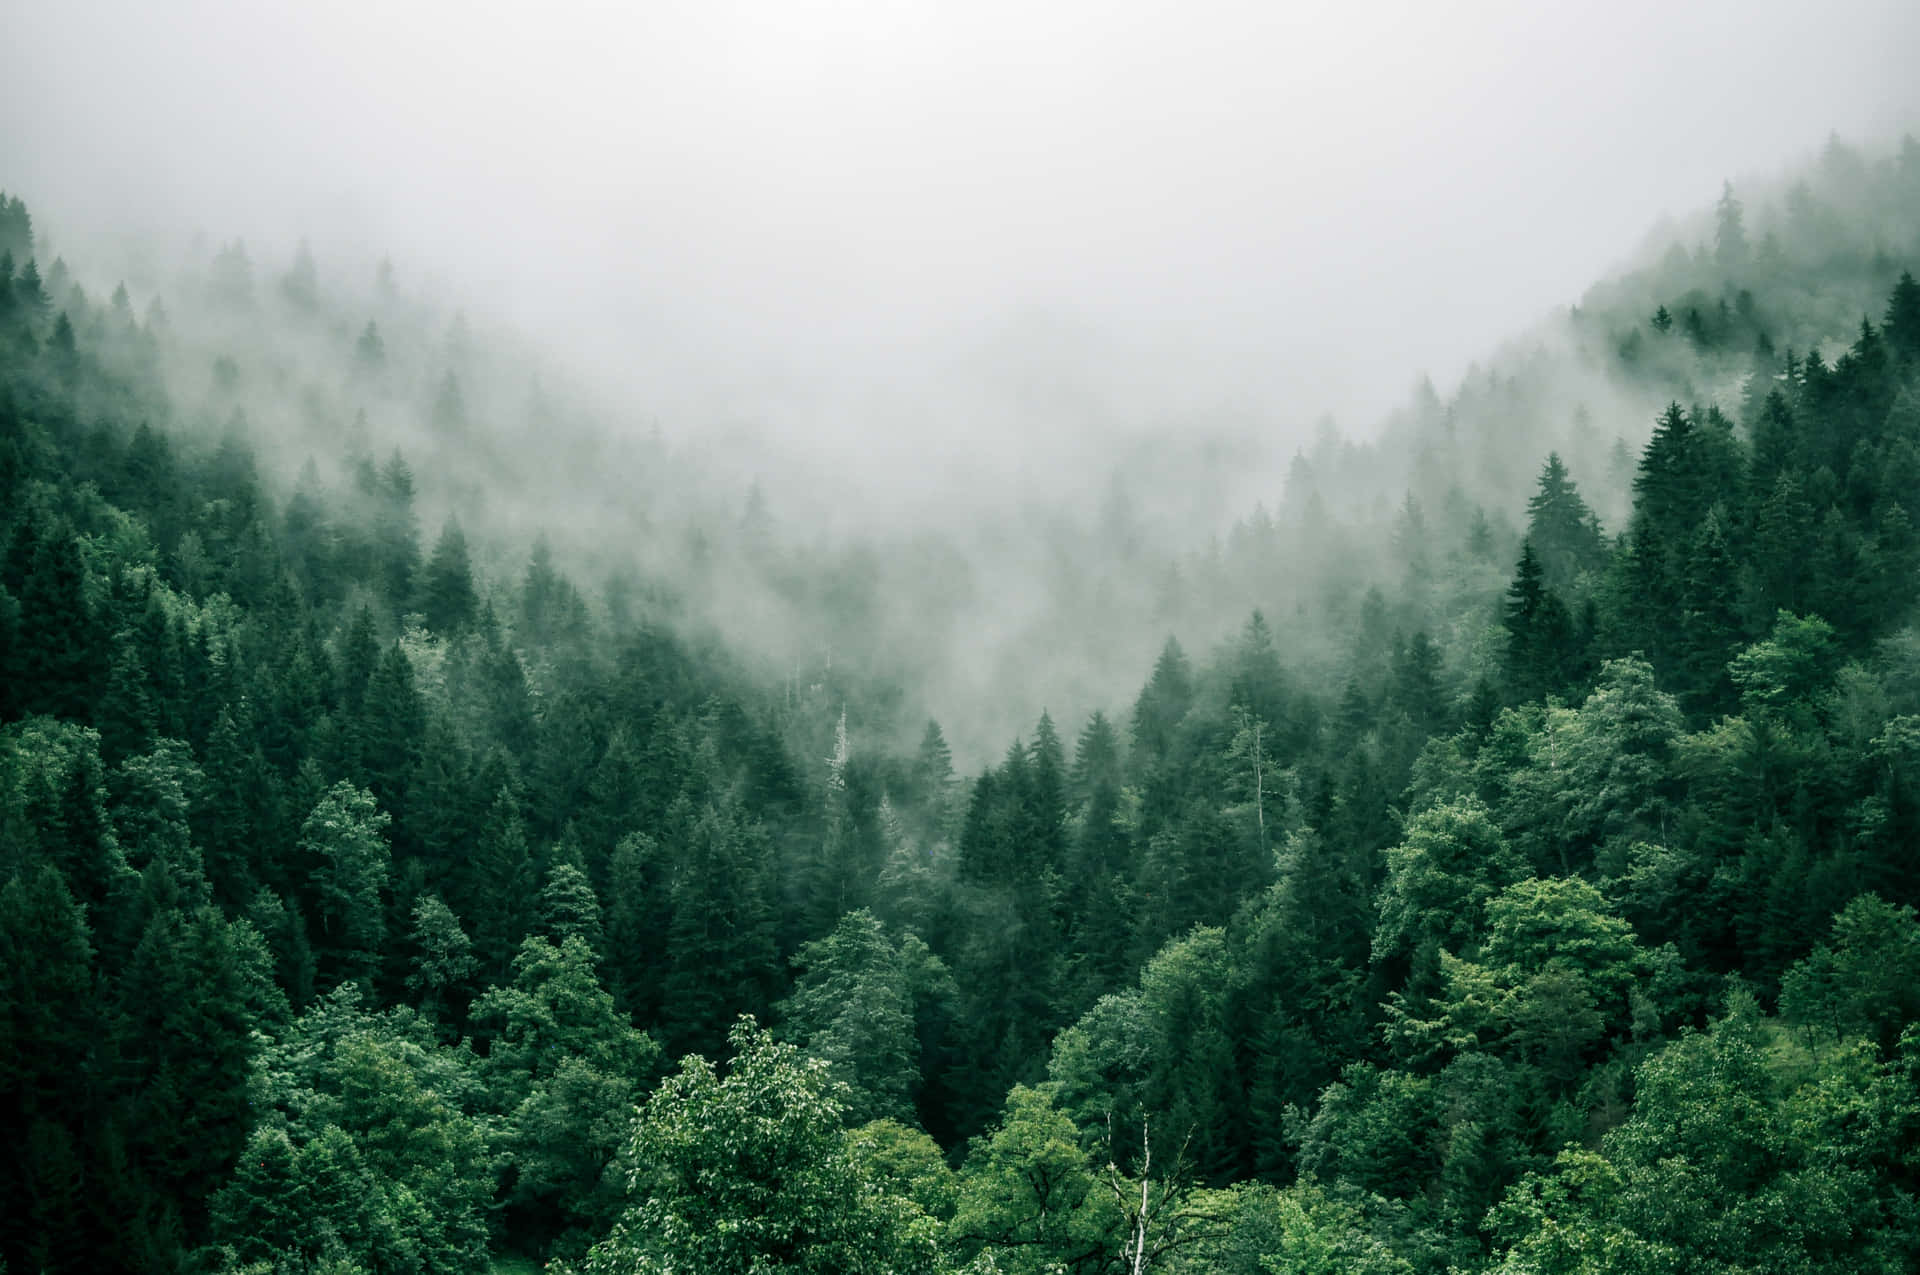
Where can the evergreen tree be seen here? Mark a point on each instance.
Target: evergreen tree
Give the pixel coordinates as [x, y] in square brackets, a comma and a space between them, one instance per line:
[1563, 531]
[449, 408]
[190, 996]
[933, 774]
[49, 1027]
[1539, 631]
[853, 1005]
[396, 532]
[443, 960]
[1730, 249]
[370, 351]
[447, 597]
[59, 653]
[345, 839]
[301, 284]
[1096, 758]
[569, 908]
[720, 939]
[498, 884]
[1710, 622]
[637, 918]
[1901, 326]
[1162, 704]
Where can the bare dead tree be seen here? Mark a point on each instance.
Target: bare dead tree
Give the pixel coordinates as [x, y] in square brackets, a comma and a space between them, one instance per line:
[1166, 1215]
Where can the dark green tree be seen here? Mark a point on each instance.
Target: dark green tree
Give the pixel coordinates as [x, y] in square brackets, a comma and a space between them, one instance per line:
[447, 597]
[345, 839]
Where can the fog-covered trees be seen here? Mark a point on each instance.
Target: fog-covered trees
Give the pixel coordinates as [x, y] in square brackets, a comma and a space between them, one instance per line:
[1490, 872]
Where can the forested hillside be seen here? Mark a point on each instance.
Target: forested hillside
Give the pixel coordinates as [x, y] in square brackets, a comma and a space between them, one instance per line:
[1507, 864]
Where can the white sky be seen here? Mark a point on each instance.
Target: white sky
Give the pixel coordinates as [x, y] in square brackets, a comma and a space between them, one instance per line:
[787, 209]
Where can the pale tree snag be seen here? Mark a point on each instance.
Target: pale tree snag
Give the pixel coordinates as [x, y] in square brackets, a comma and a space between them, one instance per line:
[1167, 1215]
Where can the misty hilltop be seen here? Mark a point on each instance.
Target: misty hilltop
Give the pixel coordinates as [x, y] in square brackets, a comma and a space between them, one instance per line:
[977, 591]
[1003, 809]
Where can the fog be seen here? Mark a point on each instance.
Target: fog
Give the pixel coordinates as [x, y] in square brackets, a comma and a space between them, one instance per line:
[1054, 284]
[813, 214]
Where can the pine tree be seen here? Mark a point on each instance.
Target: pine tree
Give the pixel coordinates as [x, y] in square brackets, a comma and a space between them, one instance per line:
[16, 229]
[1901, 327]
[233, 821]
[301, 284]
[441, 816]
[498, 886]
[637, 919]
[126, 714]
[1782, 551]
[189, 1003]
[449, 408]
[1096, 759]
[443, 960]
[1259, 682]
[345, 839]
[59, 649]
[49, 1029]
[1564, 532]
[933, 774]
[447, 598]
[1539, 631]
[569, 908]
[1778, 445]
[721, 952]
[356, 660]
[306, 539]
[1049, 798]
[370, 351]
[1163, 703]
[391, 728]
[1730, 249]
[1710, 618]
[1418, 688]
[396, 532]
[29, 293]
[63, 351]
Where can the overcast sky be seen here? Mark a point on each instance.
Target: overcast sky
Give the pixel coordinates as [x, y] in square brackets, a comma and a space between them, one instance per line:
[787, 208]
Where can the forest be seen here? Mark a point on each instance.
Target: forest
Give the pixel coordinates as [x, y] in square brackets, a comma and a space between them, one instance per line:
[1505, 864]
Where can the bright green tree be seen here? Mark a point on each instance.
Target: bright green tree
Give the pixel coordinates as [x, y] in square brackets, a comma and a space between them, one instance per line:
[751, 1173]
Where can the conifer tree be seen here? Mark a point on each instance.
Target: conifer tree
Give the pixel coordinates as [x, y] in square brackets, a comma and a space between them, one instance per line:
[499, 884]
[1710, 622]
[933, 773]
[1564, 532]
[1539, 631]
[638, 915]
[1163, 702]
[370, 351]
[59, 652]
[48, 1032]
[1049, 800]
[1096, 758]
[1901, 326]
[345, 839]
[396, 532]
[447, 597]
[30, 294]
[1730, 248]
[449, 408]
[720, 940]
[392, 725]
[569, 908]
